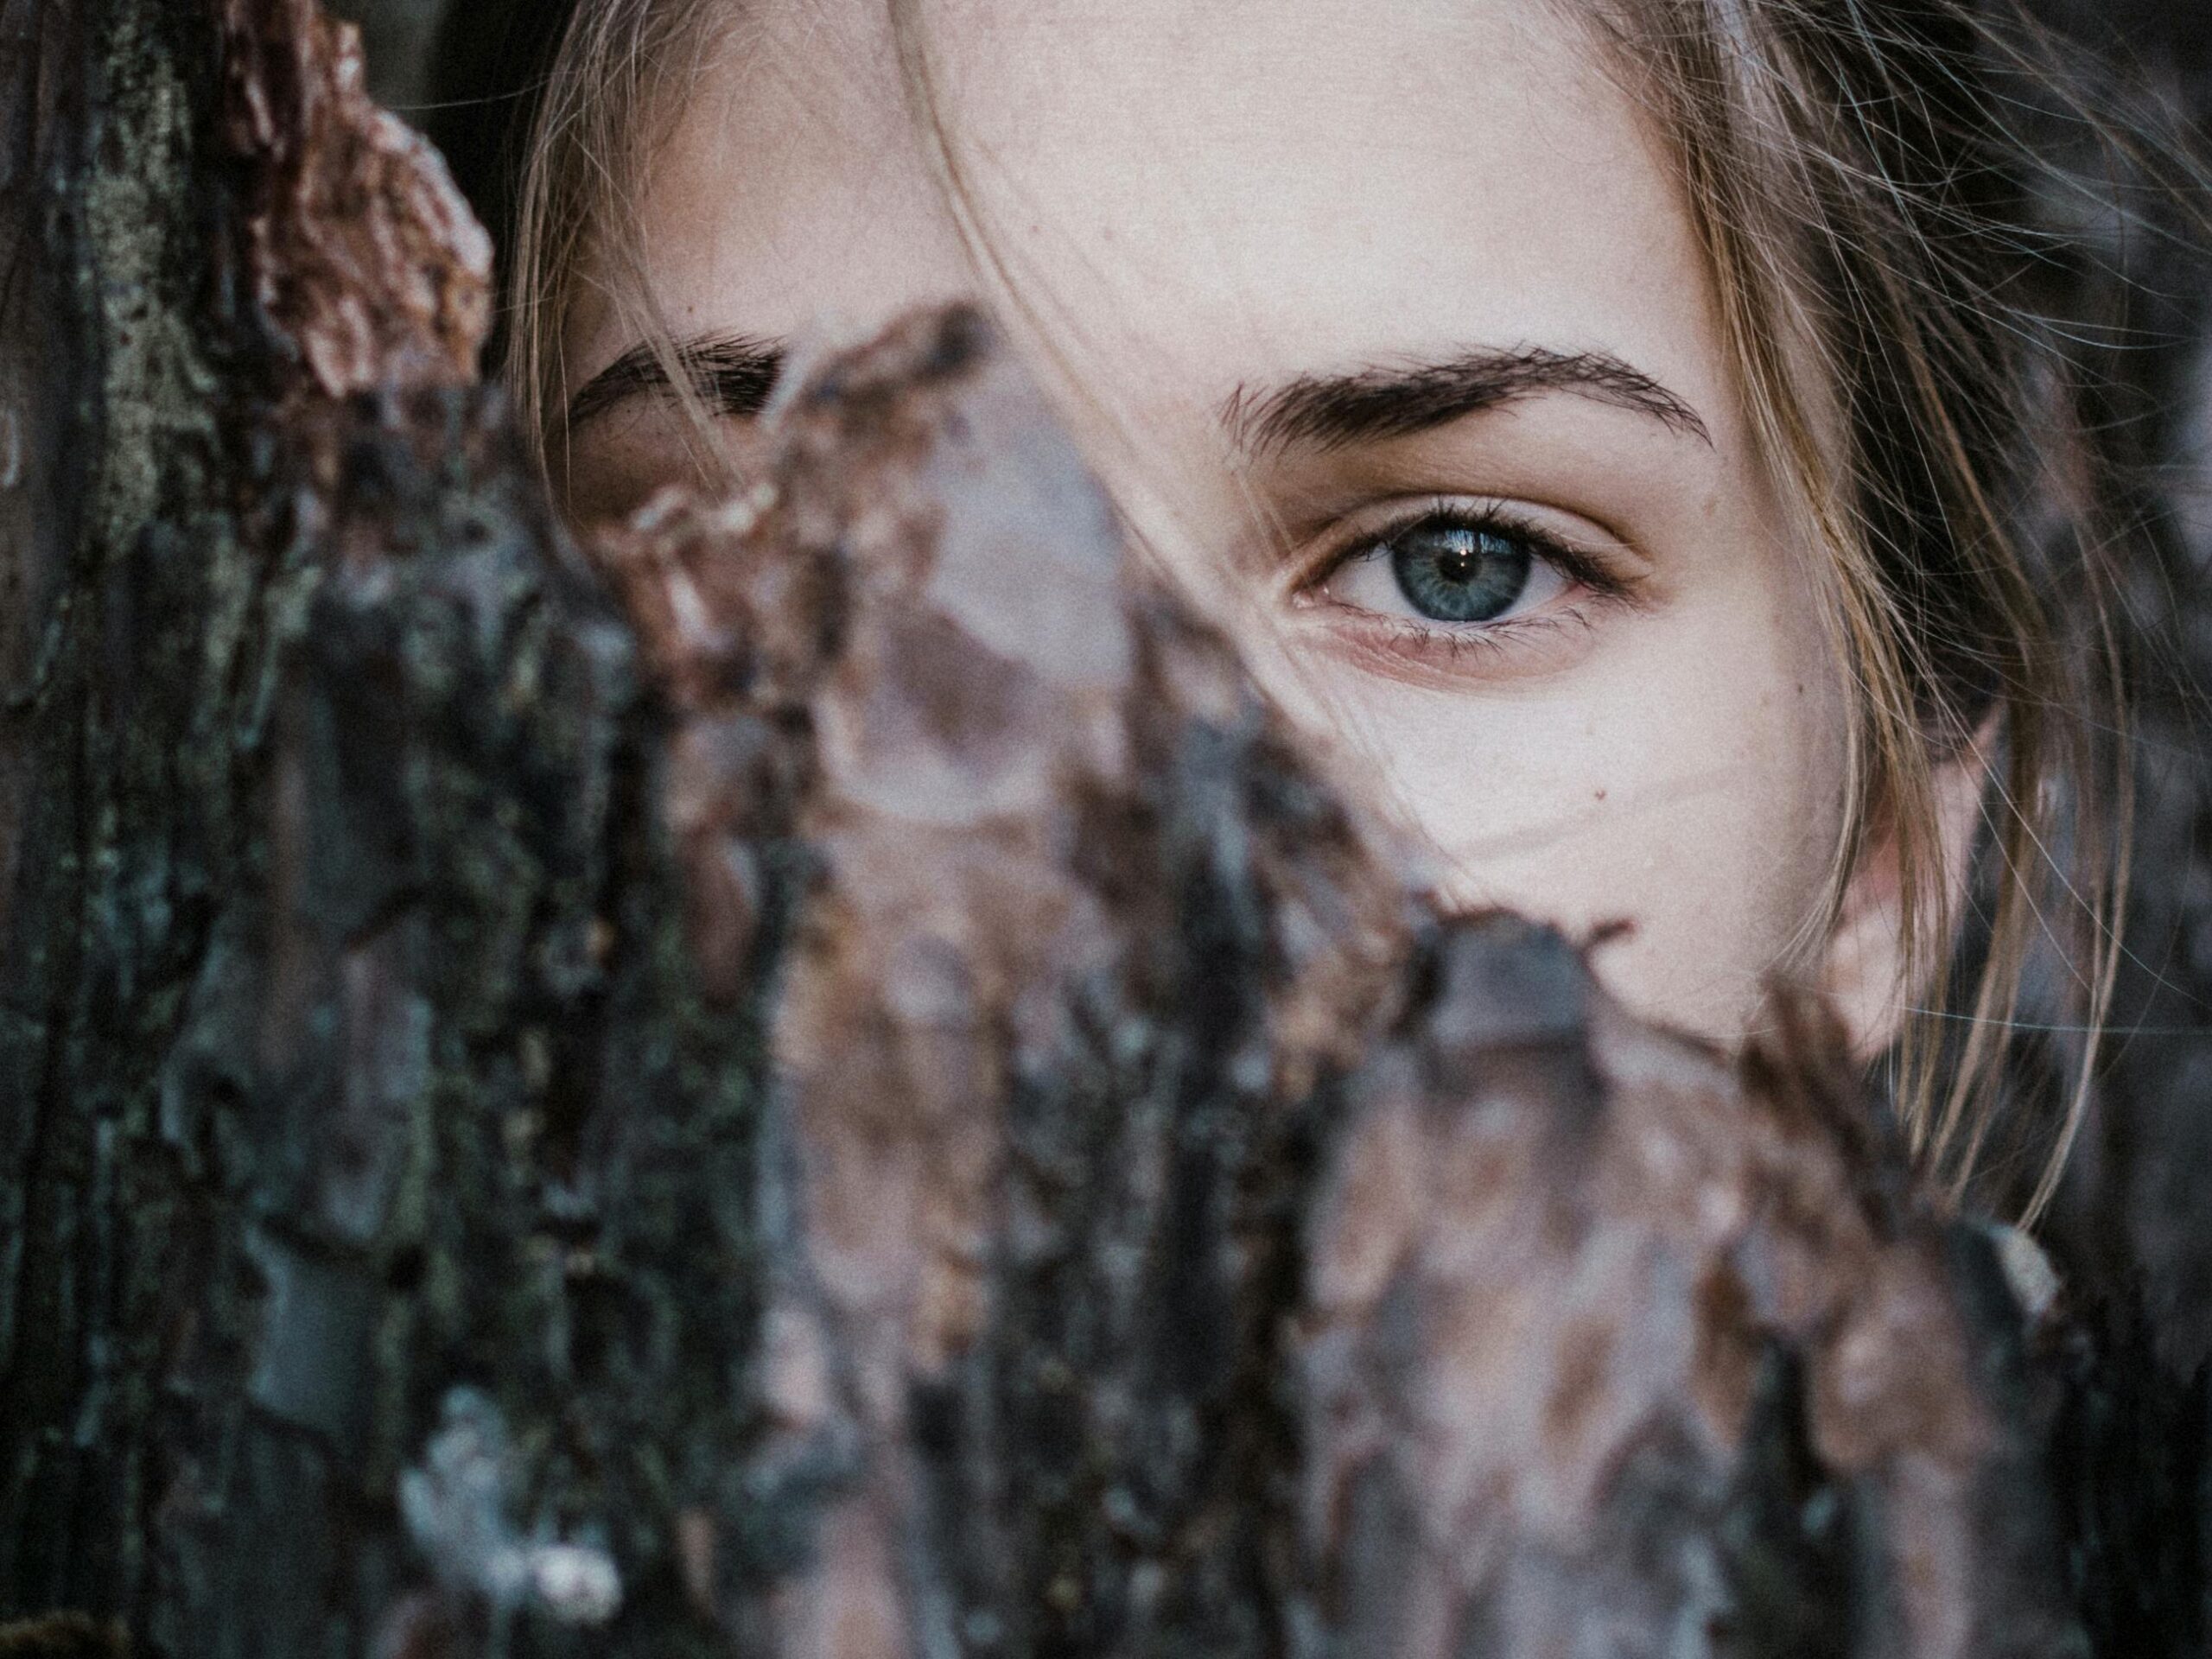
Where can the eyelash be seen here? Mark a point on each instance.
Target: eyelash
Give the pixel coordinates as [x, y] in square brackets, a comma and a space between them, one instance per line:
[1451, 641]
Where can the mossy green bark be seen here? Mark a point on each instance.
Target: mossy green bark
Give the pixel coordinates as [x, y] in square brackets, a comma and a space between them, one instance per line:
[124, 804]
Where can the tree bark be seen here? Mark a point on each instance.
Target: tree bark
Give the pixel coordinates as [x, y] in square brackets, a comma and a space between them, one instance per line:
[822, 1078]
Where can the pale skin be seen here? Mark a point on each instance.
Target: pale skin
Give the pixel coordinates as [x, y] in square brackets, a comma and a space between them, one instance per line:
[1388, 328]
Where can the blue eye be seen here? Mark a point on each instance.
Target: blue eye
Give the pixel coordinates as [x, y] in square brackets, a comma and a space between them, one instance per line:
[1458, 572]
[1458, 569]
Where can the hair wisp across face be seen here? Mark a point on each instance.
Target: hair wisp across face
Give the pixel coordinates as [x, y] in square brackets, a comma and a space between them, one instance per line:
[1460, 362]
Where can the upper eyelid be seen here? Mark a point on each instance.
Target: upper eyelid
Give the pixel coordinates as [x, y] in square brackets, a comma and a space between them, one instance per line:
[1318, 564]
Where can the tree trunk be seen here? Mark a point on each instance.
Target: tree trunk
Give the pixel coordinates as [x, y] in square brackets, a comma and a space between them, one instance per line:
[767, 1089]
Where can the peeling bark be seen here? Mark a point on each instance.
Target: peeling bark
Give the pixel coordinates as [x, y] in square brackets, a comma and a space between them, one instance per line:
[364, 262]
[823, 1079]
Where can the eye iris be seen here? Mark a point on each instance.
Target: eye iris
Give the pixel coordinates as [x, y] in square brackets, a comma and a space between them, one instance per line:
[1456, 573]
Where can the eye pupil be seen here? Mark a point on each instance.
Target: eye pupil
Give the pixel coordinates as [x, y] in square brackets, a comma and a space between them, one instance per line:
[1458, 573]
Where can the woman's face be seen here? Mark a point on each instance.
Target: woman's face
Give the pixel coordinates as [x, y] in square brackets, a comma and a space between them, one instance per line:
[1385, 322]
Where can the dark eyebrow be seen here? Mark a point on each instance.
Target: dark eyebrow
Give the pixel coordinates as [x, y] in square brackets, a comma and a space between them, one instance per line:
[732, 374]
[1367, 405]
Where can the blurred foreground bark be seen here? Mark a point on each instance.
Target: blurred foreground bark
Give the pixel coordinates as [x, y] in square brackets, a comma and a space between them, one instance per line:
[824, 1080]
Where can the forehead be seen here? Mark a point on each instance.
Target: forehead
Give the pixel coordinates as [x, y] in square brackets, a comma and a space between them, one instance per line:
[1194, 189]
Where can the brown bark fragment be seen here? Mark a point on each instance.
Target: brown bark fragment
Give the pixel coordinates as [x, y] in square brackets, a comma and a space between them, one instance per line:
[932, 579]
[1555, 1272]
[362, 256]
[915, 650]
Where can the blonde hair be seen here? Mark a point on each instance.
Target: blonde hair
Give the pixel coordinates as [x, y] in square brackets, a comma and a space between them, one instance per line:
[1855, 172]
[604, 103]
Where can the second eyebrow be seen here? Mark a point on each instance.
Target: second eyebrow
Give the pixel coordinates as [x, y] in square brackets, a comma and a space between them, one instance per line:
[732, 374]
[1332, 412]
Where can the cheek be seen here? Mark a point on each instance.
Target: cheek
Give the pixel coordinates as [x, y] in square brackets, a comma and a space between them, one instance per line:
[1688, 782]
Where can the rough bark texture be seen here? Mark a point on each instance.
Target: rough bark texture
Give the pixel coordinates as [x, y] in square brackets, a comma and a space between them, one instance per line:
[118, 754]
[825, 1080]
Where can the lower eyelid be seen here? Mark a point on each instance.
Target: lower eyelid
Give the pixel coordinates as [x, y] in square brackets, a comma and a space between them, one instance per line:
[1447, 659]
